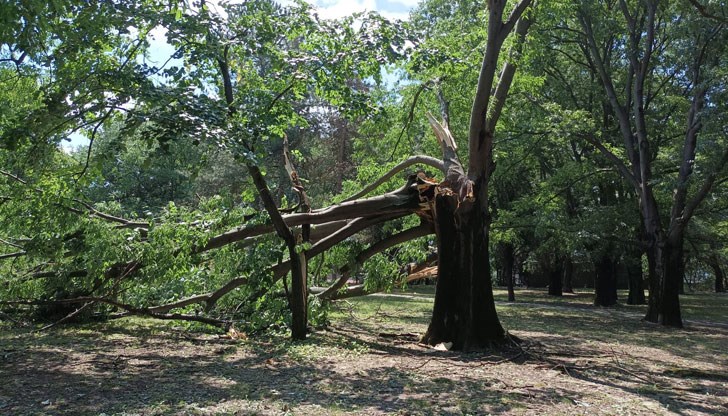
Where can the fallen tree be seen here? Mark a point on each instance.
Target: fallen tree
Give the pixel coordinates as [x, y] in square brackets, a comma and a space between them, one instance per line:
[455, 208]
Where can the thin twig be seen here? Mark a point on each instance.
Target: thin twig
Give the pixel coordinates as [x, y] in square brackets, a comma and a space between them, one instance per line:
[67, 317]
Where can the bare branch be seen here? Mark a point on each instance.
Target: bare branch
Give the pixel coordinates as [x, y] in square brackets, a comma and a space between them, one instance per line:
[704, 190]
[180, 303]
[67, 317]
[124, 222]
[410, 116]
[91, 141]
[618, 163]
[412, 160]
[12, 255]
[130, 310]
[10, 243]
[402, 201]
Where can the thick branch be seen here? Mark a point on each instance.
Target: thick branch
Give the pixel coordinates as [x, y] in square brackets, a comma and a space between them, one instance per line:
[507, 74]
[706, 13]
[130, 310]
[402, 201]
[281, 269]
[479, 137]
[413, 160]
[625, 126]
[704, 190]
[12, 255]
[387, 243]
[618, 163]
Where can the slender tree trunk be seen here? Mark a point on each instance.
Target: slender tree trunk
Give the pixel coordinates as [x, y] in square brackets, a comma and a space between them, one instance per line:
[681, 272]
[509, 261]
[298, 297]
[718, 271]
[605, 285]
[464, 311]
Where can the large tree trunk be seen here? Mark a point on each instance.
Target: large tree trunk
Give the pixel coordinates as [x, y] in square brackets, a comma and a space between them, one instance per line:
[605, 285]
[664, 303]
[464, 311]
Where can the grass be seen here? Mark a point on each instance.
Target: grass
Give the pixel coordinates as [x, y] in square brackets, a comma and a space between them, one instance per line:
[577, 359]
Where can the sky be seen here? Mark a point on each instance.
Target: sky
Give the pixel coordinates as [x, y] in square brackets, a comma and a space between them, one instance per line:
[396, 9]
[160, 50]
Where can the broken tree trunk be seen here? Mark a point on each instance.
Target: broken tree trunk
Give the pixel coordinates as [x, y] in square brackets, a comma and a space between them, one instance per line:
[464, 311]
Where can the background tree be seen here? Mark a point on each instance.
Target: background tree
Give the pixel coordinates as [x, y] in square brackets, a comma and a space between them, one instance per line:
[664, 86]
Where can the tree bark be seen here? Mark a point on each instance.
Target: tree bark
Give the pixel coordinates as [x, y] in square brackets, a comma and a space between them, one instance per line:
[664, 302]
[568, 275]
[718, 271]
[298, 306]
[556, 274]
[605, 285]
[633, 262]
[509, 261]
[464, 311]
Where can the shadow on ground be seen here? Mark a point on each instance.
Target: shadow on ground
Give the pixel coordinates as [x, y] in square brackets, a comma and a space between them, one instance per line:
[574, 360]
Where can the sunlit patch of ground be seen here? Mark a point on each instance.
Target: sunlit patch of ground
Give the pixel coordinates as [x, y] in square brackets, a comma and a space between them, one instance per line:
[575, 359]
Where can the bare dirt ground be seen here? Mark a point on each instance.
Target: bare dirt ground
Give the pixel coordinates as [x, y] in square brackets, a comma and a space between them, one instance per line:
[574, 360]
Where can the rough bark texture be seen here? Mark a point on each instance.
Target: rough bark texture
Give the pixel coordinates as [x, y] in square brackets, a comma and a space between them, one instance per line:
[664, 302]
[464, 311]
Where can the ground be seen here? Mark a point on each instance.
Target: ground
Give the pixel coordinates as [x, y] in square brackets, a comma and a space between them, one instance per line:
[573, 359]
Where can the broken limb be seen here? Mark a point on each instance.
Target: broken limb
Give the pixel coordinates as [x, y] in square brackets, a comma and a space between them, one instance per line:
[413, 160]
[389, 242]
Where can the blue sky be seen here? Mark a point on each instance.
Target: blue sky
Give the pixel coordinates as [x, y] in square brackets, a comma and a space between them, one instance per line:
[160, 50]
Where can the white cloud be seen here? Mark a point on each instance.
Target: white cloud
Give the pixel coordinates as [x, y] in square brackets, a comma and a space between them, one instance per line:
[328, 9]
[407, 3]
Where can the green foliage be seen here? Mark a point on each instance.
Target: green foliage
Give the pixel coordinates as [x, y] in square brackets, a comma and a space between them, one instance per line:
[171, 141]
